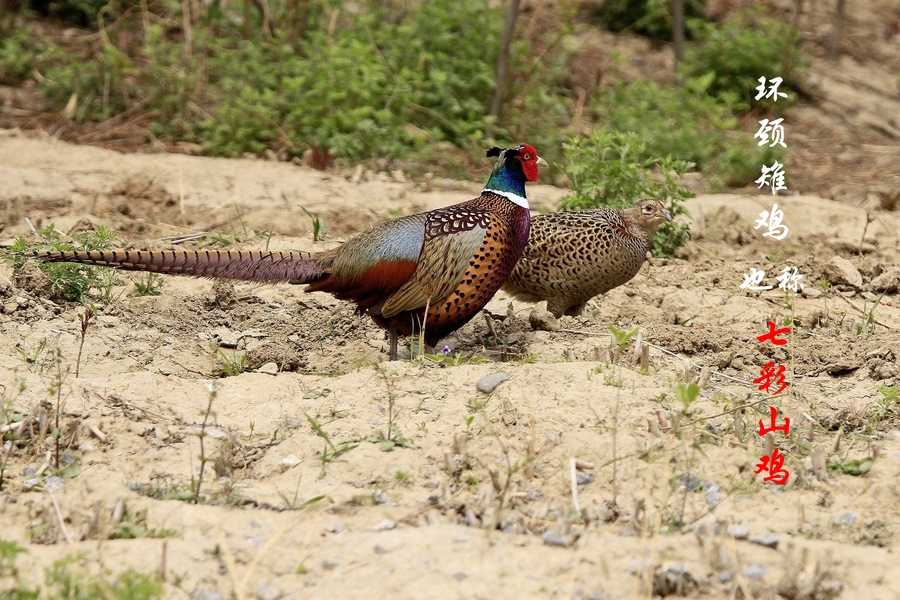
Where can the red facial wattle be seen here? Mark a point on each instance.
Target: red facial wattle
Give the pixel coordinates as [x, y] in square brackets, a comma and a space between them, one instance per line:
[529, 159]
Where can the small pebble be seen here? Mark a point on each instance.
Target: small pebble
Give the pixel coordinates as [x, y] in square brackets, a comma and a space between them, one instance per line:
[459, 576]
[379, 549]
[461, 538]
[583, 478]
[54, 483]
[752, 572]
[269, 368]
[709, 527]
[725, 576]
[848, 518]
[290, 460]
[489, 383]
[206, 594]
[333, 527]
[713, 495]
[713, 429]
[689, 482]
[266, 590]
[380, 497]
[769, 540]
[739, 532]
[331, 563]
[385, 525]
[551, 538]
[135, 486]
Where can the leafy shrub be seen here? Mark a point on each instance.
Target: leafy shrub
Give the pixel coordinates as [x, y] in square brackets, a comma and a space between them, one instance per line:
[17, 55]
[652, 18]
[747, 46]
[697, 128]
[379, 80]
[610, 169]
[103, 81]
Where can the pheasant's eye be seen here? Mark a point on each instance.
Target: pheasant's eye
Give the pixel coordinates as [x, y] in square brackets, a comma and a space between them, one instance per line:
[527, 156]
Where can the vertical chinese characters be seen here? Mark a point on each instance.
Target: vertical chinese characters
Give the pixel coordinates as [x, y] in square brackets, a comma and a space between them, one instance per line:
[772, 175]
[772, 378]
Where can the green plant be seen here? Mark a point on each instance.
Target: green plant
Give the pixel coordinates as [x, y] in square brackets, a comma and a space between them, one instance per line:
[699, 129]
[455, 359]
[232, 365]
[747, 46]
[134, 526]
[148, 284]
[607, 169]
[90, 94]
[379, 81]
[652, 18]
[201, 436]
[69, 578]
[866, 327]
[9, 551]
[686, 394]
[855, 467]
[318, 225]
[72, 282]
[18, 53]
[336, 451]
[885, 407]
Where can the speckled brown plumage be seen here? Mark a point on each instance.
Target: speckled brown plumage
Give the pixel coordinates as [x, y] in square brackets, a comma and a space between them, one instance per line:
[573, 256]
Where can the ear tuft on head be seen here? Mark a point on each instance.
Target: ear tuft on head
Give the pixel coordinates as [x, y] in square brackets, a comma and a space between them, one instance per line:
[495, 151]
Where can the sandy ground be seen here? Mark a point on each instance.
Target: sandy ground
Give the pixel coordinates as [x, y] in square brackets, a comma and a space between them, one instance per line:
[414, 484]
[472, 495]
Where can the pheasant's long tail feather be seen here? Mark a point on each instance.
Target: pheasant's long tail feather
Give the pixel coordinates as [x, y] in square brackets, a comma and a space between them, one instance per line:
[272, 267]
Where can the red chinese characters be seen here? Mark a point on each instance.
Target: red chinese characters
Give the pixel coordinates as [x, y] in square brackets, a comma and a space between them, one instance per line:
[768, 376]
[771, 380]
[774, 466]
[785, 429]
[773, 334]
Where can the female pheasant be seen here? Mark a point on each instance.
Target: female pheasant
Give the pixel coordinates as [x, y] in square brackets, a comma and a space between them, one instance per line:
[573, 256]
[429, 272]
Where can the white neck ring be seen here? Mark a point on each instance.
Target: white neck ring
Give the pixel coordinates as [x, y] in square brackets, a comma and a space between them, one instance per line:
[512, 197]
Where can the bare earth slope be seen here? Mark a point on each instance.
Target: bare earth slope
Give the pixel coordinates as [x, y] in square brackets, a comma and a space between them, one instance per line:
[432, 489]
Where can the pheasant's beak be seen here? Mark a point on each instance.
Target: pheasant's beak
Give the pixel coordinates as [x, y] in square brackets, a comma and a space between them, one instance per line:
[667, 214]
[542, 162]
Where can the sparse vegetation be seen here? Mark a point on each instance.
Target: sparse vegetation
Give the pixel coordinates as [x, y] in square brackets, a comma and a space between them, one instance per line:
[148, 284]
[70, 281]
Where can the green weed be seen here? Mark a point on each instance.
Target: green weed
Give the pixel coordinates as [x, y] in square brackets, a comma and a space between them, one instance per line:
[330, 452]
[231, 365]
[71, 282]
[148, 284]
[318, 225]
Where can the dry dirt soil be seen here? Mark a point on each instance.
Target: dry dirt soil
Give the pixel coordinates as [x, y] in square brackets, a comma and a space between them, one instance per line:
[326, 471]
[427, 487]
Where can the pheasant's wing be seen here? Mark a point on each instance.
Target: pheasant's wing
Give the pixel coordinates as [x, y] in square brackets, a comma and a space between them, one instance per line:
[451, 241]
[373, 265]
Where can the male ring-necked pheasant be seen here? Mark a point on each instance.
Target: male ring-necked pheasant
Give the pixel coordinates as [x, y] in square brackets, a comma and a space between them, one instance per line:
[573, 256]
[447, 262]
